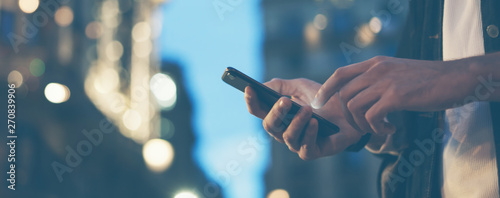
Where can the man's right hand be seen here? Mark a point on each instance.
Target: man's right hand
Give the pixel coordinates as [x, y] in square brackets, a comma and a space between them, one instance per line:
[300, 134]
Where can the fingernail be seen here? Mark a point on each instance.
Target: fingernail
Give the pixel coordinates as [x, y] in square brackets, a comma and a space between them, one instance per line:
[315, 103]
[282, 106]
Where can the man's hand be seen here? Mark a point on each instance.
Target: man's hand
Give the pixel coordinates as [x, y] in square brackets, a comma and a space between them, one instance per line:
[300, 135]
[373, 88]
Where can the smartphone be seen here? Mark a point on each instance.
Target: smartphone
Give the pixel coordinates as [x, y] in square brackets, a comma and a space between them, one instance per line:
[240, 81]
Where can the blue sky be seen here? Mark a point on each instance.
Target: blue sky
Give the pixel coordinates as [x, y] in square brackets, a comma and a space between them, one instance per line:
[194, 36]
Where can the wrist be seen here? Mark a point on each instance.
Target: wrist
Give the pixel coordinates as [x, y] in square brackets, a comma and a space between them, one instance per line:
[485, 76]
[466, 71]
[476, 66]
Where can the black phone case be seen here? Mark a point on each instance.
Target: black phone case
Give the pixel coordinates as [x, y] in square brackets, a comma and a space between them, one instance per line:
[240, 81]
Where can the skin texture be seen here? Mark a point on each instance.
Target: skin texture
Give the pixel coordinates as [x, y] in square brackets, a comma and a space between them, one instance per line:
[301, 134]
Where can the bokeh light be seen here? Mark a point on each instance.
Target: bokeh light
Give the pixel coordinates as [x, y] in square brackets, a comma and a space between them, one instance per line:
[94, 30]
[365, 36]
[164, 89]
[185, 195]
[320, 22]
[132, 119]
[278, 193]
[158, 154]
[37, 67]
[114, 50]
[375, 25]
[28, 6]
[64, 16]
[143, 49]
[15, 77]
[312, 35]
[141, 31]
[57, 93]
[107, 80]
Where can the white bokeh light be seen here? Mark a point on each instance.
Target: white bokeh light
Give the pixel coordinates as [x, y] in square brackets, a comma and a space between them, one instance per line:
[320, 22]
[375, 25]
[158, 154]
[57, 93]
[185, 195]
[28, 6]
[132, 119]
[164, 89]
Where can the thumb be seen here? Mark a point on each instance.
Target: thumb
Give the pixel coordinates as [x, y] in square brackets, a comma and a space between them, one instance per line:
[284, 87]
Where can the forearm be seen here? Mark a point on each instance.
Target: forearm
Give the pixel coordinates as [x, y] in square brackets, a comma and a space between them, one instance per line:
[486, 70]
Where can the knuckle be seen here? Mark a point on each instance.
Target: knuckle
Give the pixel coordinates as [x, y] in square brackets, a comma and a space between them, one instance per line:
[301, 80]
[267, 127]
[382, 63]
[305, 157]
[277, 115]
[341, 71]
[353, 107]
[381, 66]
[247, 96]
[379, 59]
[276, 80]
[276, 84]
[306, 153]
[288, 138]
[370, 117]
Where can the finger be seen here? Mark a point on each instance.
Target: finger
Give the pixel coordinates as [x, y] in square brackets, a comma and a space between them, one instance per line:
[376, 115]
[358, 106]
[274, 121]
[339, 78]
[281, 86]
[255, 107]
[355, 86]
[308, 148]
[294, 131]
[347, 114]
